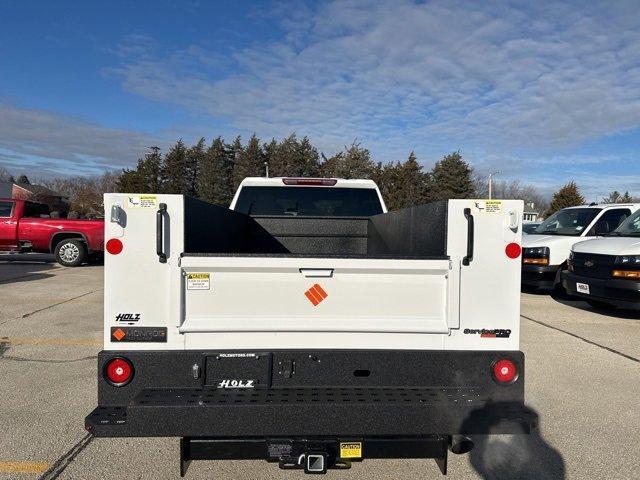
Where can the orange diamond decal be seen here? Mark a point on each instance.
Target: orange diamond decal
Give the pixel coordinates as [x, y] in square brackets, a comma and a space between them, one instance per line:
[316, 294]
[118, 334]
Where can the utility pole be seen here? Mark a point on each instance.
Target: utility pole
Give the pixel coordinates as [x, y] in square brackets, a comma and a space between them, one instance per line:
[491, 183]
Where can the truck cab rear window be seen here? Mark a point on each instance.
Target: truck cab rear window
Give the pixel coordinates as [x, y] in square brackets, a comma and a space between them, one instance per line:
[5, 209]
[309, 201]
[35, 210]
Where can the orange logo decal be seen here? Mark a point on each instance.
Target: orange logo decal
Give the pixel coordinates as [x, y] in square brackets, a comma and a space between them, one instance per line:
[316, 294]
[118, 334]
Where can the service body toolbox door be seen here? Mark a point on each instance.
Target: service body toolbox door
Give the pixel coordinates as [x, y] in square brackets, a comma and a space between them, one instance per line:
[267, 294]
[138, 304]
[485, 237]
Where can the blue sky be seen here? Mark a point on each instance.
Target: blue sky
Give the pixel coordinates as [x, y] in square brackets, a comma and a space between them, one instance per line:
[544, 92]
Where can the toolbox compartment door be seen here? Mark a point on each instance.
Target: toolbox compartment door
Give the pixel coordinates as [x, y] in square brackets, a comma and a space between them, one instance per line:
[249, 294]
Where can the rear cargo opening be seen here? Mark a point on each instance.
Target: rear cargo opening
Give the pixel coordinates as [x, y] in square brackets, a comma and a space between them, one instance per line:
[416, 232]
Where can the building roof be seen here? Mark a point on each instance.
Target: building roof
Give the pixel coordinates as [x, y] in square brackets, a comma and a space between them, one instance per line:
[39, 190]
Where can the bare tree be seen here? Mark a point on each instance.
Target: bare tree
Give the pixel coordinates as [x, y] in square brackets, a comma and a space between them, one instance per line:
[513, 189]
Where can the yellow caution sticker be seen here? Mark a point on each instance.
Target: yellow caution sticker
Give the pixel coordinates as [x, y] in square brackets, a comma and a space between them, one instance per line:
[198, 281]
[142, 201]
[488, 206]
[350, 449]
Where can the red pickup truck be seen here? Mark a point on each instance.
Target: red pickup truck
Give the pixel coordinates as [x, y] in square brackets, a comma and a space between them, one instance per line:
[28, 227]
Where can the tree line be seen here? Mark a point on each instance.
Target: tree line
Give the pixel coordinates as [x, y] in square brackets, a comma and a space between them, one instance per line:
[213, 171]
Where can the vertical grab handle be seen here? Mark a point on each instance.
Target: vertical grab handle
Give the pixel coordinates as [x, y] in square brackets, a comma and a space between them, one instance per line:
[162, 208]
[469, 257]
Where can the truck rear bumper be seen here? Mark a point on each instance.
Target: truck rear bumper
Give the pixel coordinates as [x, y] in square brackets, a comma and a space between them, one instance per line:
[310, 393]
[309, 412]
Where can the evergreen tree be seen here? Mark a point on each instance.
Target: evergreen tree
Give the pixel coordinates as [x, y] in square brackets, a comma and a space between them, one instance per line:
[270, 153]
[24, 180]
[306, 160]
[354, 162]
[174, 170]
[150, 170]
[451, 177]
[250, 162]
[130, 181]
[614, 197]
[626, 198]
[567, 196]
[293, 158]
[402, 184]
[215, 174]
[194, 158]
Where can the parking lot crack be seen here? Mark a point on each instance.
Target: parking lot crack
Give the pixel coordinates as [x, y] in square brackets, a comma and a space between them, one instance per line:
[26, 315]
[63, 462]
[590, 342]
[46, 360]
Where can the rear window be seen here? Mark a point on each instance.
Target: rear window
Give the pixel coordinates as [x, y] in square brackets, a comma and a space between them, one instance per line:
[5, 209]
[35, 210]
[309, 201]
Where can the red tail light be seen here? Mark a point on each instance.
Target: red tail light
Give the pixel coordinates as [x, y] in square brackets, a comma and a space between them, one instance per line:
[118, 372]
[505, 371]
[114, 246]
[513, 250]
[320, 182]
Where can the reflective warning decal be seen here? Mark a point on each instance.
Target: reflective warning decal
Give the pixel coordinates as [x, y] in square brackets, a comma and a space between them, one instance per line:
[316, 294]
[198, 281]
[350, 449]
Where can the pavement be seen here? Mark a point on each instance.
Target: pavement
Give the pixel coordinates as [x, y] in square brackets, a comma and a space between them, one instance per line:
[583, 380]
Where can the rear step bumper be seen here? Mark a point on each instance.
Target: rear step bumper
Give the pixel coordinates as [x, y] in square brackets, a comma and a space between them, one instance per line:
[304, 412]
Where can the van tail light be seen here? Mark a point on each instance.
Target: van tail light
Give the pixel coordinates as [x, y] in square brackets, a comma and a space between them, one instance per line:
[318, 182]
[505, 371]
[118, 371]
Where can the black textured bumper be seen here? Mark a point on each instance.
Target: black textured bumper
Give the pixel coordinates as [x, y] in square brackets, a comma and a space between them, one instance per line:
[623, 293]
[328, 393]
[539, 276]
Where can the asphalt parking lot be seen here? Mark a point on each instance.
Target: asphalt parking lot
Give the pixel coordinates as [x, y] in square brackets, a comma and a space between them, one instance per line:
[583, 379]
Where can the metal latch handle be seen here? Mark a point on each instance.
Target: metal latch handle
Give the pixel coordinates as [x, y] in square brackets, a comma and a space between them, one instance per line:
[162, 208]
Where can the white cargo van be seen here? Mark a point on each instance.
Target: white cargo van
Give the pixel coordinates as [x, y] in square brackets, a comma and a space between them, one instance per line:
[308, 327]
[606, 271]
[546, 250]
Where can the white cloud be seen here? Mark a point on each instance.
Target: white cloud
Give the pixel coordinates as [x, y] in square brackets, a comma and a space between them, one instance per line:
[55, 144]
[435, 77]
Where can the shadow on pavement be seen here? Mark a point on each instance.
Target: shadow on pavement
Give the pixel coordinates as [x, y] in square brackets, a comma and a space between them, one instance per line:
[562, 297]
[516, 456]
[25, 267]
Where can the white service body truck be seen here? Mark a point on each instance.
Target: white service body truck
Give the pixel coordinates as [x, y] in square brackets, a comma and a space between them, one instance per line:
[309, 327]
[546, 250]
[605, 272]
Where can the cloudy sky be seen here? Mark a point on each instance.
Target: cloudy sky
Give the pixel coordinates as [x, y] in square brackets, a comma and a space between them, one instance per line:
[543, 92]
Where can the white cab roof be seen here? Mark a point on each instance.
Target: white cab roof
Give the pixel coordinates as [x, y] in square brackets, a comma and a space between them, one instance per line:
[277, 182]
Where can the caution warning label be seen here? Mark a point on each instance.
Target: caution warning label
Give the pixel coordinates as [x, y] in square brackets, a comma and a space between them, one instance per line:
[489, 206]
[350, 449]
[143, 201]
[198, 281]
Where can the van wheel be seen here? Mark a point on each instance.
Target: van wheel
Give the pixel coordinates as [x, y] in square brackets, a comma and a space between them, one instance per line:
[70, 252]
[600, 305]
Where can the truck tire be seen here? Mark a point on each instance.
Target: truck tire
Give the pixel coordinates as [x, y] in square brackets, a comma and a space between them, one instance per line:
[70, 252]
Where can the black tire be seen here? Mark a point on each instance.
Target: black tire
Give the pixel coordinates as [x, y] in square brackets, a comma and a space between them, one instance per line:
[71, 252]
[598, 305]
